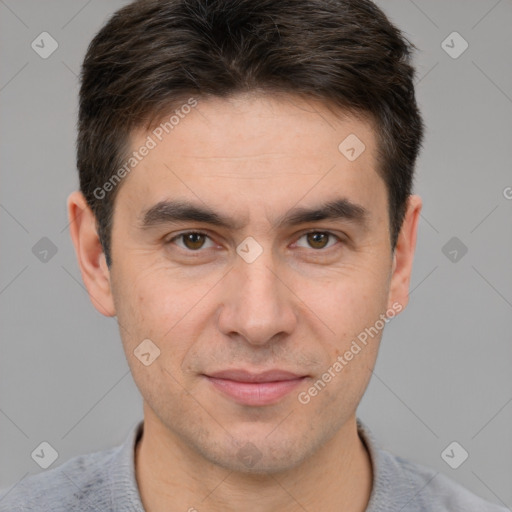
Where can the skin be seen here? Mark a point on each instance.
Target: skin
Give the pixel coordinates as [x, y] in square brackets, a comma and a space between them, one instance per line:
[297, 307]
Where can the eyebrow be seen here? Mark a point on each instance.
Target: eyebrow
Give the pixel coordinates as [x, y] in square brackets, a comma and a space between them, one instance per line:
[174, 211]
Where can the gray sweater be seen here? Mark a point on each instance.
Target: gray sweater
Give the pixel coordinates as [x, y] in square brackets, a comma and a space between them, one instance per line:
[104, 481]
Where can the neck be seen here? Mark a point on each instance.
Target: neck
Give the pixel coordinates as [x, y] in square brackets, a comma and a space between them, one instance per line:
[171, 477]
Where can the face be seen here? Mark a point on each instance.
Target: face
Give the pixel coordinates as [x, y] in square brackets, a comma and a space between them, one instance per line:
[255, 284]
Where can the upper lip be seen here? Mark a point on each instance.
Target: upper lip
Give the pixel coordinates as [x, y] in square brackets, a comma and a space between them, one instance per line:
[240, 375]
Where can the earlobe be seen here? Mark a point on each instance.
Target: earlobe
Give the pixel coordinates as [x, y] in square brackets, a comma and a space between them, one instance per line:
[89, 252]
[403, 255]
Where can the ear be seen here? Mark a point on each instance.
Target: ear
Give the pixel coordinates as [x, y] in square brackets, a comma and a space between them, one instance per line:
[404, 254]
[89, 252]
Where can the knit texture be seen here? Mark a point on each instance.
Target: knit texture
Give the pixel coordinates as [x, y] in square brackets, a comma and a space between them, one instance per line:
[105, 481]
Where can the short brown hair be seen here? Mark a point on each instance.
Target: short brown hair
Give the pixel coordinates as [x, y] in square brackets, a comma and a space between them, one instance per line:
[153, 54]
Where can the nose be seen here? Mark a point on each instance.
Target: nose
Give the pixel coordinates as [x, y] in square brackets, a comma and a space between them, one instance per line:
[258, 304]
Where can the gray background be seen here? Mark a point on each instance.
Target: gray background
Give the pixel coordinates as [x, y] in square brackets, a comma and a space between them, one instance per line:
[444, 369]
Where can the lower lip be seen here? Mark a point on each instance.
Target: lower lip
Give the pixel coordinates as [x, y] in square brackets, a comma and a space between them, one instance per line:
[255, 393]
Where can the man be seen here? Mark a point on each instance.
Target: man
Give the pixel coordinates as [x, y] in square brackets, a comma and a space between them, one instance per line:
[245, 211]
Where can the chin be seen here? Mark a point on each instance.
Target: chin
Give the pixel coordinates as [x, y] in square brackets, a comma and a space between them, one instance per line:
[259, 454]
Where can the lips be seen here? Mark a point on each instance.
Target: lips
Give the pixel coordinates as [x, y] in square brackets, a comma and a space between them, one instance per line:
[245, 376]
[255, 389]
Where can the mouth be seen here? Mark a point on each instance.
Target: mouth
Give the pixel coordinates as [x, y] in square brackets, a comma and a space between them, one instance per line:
[256, 389]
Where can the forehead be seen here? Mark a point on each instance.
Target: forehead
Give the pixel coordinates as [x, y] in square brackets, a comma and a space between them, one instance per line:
[255, 121]
[254, 150]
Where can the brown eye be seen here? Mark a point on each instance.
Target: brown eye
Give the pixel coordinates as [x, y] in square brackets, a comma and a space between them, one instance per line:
[319, 239]
[191, 240]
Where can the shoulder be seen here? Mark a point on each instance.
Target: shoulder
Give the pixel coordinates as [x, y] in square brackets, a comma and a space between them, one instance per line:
[81, 483]
[432, 490]
[401, 484]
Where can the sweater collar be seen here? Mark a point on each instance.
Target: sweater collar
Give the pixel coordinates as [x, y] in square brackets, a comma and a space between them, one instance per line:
[391, 490]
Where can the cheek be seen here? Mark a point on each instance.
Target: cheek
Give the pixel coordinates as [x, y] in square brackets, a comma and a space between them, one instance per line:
[169, 312]
[348, 302]
[153, 301]
[151, 312]
[143, 309]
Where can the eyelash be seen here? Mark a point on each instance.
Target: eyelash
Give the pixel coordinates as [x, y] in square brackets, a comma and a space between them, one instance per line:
[198, 232]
